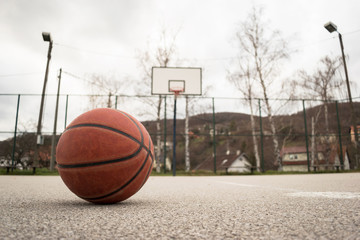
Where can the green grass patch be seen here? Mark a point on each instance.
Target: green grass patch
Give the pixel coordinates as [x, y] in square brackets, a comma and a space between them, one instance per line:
[38, 172]
[183, 173]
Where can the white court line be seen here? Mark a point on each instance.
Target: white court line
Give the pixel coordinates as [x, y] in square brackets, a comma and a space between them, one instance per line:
[258, 186]
[297, 193]
[342, 195]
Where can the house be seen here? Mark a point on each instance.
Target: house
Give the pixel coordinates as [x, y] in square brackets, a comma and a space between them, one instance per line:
[238, 163]
[352, 132]
[4, 162]
[294, 159]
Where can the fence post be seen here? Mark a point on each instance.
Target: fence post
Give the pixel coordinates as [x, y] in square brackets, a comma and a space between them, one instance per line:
[261, 140]
[214, 134]
[339, 132]
[165, 135]
[53, 139]
[15, 132]
[66, 109]
[306, 137]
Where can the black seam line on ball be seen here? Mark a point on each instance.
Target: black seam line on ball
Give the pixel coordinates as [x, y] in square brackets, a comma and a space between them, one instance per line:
[107, 128]
[127, 183]
[108, 161]
[148, 173]
[102, 163]
[141, 133]
[138, 127]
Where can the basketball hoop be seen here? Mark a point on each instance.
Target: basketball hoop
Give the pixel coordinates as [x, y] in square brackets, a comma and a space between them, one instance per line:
[176, 81]
[177, 90]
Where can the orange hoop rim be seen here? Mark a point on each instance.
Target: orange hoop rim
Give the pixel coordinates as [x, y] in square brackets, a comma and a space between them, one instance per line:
[177, 90]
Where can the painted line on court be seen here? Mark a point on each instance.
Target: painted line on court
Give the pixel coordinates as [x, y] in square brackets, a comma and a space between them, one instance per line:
[297, 193]
[339, 195]
[258, 186]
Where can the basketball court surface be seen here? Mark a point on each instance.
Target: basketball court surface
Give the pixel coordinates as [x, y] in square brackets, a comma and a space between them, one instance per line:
[317, 206]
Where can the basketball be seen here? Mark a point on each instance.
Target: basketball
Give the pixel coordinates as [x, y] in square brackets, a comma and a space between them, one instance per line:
[105, 156]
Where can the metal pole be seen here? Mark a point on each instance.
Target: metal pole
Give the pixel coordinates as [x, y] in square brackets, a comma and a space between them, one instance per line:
[339, 132]
[353, 117]
[116, 100]
[15, 132]
[261, 140]
[165, 135]
[53, 140]
[345, 68]
[38, 132]
[66, 110]
[214, 134]
[306, 137]
[174, 139]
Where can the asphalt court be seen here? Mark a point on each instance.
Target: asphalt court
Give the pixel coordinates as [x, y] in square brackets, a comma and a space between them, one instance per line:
[309, 206]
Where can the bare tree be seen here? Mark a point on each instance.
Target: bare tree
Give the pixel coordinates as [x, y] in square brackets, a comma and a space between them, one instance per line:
[323, 84]
[243, 80]
[101, 85]
[161, 55]
[265, 50]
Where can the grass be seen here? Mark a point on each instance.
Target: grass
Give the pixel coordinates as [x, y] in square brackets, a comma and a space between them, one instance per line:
[38, 172]
[183, 173]
[223, 173]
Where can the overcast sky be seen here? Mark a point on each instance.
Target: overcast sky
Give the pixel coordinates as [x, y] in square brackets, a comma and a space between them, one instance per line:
[103, 36]
[93, 36]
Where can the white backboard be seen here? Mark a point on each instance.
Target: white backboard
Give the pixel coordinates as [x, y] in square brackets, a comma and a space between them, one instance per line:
[165, 78]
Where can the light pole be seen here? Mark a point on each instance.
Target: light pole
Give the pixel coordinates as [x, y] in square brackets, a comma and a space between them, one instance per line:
[39, 140]
[53, 140]
[331, 27]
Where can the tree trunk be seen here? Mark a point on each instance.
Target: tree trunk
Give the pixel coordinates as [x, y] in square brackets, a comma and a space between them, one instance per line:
[312, 141]
[256, 149]
[276, 143]
[158, 136]
[187, 150]
[273, 130]
[268, 107]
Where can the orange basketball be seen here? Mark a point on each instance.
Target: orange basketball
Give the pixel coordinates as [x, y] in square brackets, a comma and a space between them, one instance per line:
[105, 156]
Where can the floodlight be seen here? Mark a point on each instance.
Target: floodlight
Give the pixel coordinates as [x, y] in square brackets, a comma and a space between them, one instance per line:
[46, 36]
[331, 27]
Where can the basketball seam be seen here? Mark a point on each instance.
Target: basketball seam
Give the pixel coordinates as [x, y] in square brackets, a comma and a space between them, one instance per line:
[141, 144]
[128, 182]
[104, 162]
[149, 171]
[152, 157]
[108, 128]
[138, 127]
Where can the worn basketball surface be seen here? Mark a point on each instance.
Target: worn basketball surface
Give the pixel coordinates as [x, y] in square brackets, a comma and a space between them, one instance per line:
[105, 156]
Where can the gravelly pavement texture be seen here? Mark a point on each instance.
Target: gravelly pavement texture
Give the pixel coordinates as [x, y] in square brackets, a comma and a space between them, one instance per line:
[320, 206]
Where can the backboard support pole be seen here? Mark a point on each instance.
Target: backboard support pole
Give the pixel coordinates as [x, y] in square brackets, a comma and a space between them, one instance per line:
[174, 139]
[165, 135]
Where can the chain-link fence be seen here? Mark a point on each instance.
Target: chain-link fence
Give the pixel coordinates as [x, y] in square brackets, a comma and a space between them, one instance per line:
[223, 134]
